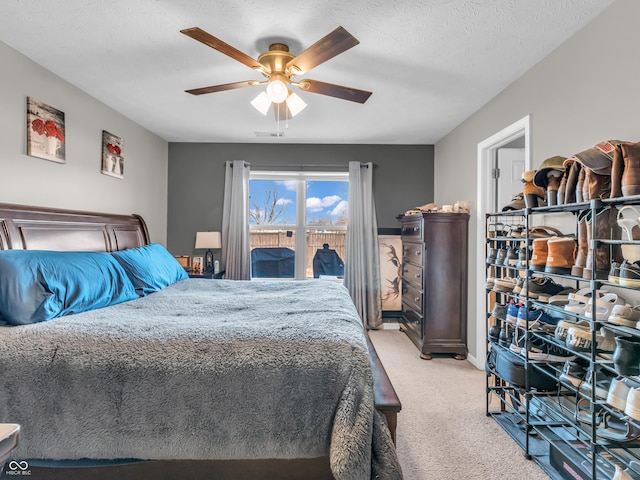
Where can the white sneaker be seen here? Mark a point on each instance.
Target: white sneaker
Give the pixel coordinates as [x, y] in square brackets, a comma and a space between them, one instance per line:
[625, 315]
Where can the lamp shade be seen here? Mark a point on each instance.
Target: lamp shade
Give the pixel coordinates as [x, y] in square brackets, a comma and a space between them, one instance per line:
[208, 240]
[277, 91]
[295, 104]
[261, 103]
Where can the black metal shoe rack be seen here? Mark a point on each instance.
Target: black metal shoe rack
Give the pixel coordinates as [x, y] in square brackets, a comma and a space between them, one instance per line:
[558, 428]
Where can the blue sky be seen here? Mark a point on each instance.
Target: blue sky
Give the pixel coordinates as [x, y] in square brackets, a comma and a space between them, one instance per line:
[326, 201]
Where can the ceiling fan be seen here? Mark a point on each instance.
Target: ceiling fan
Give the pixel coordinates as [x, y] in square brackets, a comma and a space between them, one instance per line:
[280, 66]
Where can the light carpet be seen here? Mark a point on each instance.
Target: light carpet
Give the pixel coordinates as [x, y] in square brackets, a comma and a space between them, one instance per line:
[443, 432]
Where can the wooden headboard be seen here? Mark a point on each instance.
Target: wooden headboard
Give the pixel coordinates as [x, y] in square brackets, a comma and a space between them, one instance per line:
[37, 228]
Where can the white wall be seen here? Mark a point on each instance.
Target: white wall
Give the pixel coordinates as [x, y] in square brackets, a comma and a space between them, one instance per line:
[584, 92]
[77, 184]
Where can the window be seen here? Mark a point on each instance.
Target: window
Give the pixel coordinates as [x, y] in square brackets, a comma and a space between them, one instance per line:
[294, 219]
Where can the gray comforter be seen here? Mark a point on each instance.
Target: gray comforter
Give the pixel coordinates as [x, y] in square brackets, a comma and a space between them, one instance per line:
[201, 370]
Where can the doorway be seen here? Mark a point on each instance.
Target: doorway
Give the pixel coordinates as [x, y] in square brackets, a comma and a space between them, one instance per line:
[488, 190]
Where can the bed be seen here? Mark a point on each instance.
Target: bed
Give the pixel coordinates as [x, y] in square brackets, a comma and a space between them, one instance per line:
[188, 378]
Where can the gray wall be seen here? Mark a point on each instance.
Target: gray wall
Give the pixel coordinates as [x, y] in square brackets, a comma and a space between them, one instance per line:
[403, 179]
[77, 184]
[583, 92]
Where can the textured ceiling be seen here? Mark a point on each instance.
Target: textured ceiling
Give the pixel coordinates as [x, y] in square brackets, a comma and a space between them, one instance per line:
[429, 63]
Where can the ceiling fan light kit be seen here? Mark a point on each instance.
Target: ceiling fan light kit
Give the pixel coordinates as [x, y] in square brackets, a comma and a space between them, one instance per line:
[280, 66]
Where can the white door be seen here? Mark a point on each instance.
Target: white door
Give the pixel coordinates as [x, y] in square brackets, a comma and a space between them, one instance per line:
[508, 181]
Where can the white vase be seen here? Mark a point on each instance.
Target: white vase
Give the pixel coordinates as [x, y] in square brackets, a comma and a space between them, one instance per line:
[51, 145]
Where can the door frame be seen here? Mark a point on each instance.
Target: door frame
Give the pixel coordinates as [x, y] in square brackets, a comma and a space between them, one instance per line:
[487, 151]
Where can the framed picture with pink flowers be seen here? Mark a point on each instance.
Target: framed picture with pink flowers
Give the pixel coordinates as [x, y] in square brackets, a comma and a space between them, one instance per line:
[45, 131]
[112, 155]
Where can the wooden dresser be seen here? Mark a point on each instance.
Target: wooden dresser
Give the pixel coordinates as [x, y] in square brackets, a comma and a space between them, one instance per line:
[434, 286]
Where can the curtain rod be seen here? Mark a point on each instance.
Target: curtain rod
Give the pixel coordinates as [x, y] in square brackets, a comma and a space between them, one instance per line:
[302, 165]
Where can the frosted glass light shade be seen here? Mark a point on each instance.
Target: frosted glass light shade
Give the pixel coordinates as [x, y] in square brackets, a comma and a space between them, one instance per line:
[261, 103]
[295, 104]
[277, 91]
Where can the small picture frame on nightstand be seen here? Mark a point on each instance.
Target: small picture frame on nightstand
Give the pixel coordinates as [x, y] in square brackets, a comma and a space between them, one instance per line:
[196, 265]
[184, 261]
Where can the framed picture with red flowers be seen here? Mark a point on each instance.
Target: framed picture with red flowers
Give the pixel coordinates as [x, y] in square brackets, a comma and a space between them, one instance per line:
[45, 131]
[112, 156]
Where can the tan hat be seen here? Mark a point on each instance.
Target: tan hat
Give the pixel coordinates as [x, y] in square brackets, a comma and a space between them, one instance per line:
[554, 163]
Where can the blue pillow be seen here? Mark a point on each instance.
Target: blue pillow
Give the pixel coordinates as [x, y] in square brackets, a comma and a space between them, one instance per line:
[38, 285]
[150, 268]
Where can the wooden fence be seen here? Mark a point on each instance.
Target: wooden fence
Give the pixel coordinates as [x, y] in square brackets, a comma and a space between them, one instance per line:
[336, 240]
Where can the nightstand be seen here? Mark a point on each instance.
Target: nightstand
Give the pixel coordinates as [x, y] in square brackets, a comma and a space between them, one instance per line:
[215, 276]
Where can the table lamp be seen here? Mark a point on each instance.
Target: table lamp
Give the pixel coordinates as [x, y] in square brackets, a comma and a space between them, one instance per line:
[208, 240]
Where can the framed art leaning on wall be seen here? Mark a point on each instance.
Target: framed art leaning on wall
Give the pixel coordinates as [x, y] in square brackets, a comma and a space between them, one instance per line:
[112, 155]
[45, 131]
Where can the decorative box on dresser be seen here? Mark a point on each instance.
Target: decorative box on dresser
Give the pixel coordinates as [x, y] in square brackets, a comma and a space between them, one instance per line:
[434, 282]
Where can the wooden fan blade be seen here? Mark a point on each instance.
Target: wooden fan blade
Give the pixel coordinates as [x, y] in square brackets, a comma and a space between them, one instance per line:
[338, 91]
[222, 88]
[213, 42]
[281, 111]
[324, 49]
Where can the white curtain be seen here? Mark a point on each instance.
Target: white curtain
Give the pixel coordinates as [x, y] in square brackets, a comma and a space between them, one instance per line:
[362, 266]
[236, 259]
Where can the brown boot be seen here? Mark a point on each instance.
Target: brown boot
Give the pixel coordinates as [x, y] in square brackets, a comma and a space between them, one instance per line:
[572, 181]
[595, 185]
[583, 243]
[617, 168]
[562, 189]
[606, 228]
[580, 194]
[533, 195]
[538, 260]
[561, 255]
[552, 190]
[631, 174]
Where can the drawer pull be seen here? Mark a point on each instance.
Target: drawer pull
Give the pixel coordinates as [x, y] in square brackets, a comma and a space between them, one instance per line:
[418, 275]
[415, 229]
[418, 252]
[417, 299]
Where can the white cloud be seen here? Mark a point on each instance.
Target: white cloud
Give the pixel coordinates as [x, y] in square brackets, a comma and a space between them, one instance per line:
[291, 185]
[315, 204]
[340, 209]
[284, 201]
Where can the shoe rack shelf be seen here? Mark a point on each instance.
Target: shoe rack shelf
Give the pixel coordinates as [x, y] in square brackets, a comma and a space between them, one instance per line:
[561, 428]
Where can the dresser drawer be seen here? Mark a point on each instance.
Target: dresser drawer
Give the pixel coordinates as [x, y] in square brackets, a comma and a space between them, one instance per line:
[412, 274]
[412, 252]
[412, 319]
[412, 229]
[412, 297]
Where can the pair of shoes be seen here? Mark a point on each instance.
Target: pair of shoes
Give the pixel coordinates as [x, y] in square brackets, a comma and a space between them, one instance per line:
[541, 289]
[512, 312]
[573, 374]
[504, 284]
[604, 304]
[603, 380]
[533, 318]
[625, 315]
[630, 274]
[579, 301]
[618, 396]
[579, 338]
[626, 356]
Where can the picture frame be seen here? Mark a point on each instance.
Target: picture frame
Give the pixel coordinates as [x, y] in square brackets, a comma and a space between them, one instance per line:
[112, 155]
[184, 261]
[197, 265]
[390, 251]
[45, 131]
